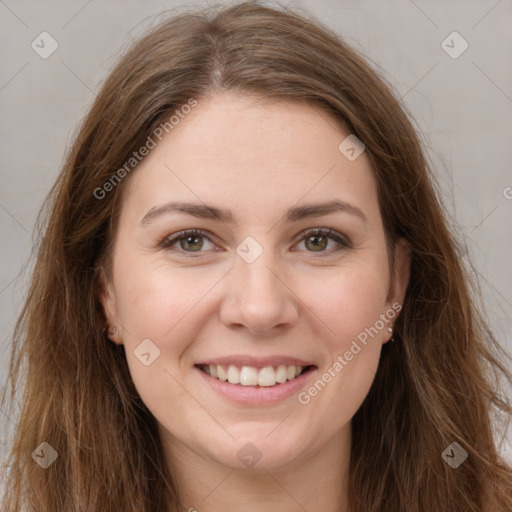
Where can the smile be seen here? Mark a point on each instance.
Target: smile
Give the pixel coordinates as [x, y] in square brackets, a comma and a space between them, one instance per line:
[252, 376]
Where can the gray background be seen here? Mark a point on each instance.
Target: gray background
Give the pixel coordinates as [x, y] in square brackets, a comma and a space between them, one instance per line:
[462, 106]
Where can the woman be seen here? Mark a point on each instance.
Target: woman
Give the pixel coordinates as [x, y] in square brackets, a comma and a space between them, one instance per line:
[247, 296]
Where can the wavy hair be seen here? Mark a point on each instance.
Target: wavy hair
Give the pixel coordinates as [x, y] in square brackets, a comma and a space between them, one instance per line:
[439, 383]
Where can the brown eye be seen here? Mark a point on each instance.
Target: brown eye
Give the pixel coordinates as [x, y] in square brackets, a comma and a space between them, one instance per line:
[319, 240]
[192, 241]
[316, 242]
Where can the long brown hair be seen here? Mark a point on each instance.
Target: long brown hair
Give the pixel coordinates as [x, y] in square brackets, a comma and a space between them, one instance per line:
[436, 385]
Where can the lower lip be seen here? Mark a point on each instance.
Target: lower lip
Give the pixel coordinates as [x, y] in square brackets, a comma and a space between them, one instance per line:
[257, 395]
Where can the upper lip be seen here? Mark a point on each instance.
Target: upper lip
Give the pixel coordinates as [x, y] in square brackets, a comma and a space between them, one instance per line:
[257, 362]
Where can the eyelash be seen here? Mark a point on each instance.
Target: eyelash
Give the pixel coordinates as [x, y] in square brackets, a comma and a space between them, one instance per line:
[326, 232]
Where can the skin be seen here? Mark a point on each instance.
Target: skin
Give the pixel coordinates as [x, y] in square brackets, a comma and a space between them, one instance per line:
[257, 159]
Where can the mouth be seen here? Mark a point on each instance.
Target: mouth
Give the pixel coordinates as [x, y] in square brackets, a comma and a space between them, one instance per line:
[252, 376]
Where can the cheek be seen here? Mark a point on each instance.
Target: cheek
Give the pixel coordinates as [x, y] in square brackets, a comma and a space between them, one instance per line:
[156, 301]
[167, 307]
[349, 306]
[346, 301]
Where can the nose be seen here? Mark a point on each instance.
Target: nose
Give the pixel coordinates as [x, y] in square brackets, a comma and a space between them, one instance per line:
[259, 296]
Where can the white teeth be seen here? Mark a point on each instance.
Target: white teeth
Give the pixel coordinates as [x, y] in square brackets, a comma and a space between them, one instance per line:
[281, 374]
[267, 376]
[233, 375]
[221, 373]
[248, 376]
[251, 376]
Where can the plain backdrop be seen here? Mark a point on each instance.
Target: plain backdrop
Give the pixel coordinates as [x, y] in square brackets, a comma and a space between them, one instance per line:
[461, 103]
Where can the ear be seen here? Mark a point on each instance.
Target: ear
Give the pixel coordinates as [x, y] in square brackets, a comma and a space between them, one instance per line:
[399, 281]
[108, 302]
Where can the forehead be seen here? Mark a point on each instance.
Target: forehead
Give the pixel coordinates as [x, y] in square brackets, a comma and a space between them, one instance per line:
[257, 156]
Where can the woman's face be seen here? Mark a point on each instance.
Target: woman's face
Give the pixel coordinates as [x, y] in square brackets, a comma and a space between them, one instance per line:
[251, 292]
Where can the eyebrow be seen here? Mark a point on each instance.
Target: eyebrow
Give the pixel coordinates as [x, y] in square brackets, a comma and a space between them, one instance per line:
[293, 214]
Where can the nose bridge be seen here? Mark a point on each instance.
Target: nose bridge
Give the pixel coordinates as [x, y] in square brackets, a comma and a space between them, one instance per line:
[258, 279]
[259, 299]
[253, 272]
